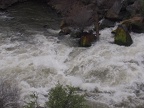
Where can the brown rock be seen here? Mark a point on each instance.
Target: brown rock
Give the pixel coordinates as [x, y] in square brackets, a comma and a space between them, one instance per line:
[135, 24]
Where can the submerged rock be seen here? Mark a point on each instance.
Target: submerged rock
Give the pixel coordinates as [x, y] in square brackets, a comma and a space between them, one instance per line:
[87, 39]
[122, 36]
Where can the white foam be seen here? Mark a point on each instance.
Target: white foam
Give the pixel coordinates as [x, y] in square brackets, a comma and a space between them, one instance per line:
[105, 69]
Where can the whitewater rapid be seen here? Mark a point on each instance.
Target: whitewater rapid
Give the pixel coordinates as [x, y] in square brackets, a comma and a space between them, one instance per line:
[109, 74]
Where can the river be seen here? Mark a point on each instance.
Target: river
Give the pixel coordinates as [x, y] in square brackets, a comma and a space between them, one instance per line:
[32, 53]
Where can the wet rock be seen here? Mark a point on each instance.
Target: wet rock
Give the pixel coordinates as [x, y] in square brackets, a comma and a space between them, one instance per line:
[135, 24]
[45, 26]
[104, 4]
[22, 0]
[40, 107]
[87, 39]
[76, 33]
[124, 15]
[130, 1]
[6, 3]
[113, 12]
[122, 36]
[64, 31]
[135, 8]
[64, 28]
[107, 23]
[113, 31]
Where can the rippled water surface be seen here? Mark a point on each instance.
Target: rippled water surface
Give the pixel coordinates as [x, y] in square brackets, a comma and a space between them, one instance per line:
[33, 54]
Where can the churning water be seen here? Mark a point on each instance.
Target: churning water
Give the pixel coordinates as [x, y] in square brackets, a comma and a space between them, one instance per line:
[111, 75]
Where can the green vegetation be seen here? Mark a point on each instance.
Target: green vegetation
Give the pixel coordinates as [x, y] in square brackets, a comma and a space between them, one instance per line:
[32, 102]
[60, 97]
[65, 97]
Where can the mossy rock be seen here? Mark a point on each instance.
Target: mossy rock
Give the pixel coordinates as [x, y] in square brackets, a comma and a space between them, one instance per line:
[122, 36]
[87, 39]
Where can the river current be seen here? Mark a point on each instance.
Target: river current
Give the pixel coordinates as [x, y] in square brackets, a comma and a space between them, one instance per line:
[32, 53]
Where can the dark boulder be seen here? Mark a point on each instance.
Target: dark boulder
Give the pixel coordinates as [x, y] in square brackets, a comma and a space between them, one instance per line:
[76, 33]
[63, 24]
[130, 1]
[105, 4]
[134, 24]
[6, 3]
[122, 36]
[106, 23]
[135, 8]
[113, 12]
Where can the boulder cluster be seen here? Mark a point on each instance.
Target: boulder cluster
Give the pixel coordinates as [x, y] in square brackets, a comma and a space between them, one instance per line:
[78, 14]
[128, 13]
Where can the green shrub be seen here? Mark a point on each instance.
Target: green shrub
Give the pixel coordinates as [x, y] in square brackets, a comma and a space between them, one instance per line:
[65, 97]
[32, 101]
